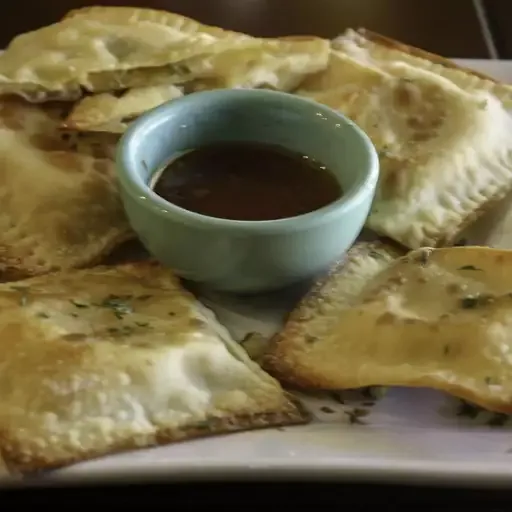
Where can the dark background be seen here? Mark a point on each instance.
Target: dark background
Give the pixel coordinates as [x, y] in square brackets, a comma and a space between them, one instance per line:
[260, 497]
[454, 28]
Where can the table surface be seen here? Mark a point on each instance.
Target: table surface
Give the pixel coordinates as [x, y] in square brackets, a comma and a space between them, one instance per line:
[455, 28]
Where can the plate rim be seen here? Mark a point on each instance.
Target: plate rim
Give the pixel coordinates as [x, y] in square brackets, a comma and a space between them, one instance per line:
[344, 468]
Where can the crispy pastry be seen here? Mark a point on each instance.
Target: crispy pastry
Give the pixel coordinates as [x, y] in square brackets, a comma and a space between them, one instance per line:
[317, 315]
[129, 15]
[378, 50]
[280, 63]
[108, 112]
[103, 49]
[438, 318]
[277, 64]
[60, 203]
[114, 358]
[445, 152]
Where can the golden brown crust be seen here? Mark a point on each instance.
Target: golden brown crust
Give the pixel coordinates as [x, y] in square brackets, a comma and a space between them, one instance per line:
[382, 51]
[441, 136]
[61, 209]
[451, 238]
[435, 318]
[417, 52]
[279, 358]
[16, 463]
[183, 23]
[102, 360]
[116, 48]
[107, 112]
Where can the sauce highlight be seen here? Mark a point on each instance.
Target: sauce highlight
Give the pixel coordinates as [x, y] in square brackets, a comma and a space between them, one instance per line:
[247, 181]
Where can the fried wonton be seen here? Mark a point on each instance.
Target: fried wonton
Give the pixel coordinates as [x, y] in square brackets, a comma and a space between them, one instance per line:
[445, 152]
[108, 112]
[280, 63]
[104, 49]
[438, 318]
[128, 15]
[108, 359]
[377, 50]
[60, 202]
[276, 64]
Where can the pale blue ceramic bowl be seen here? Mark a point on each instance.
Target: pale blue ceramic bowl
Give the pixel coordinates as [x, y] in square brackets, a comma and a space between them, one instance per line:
[246, 256]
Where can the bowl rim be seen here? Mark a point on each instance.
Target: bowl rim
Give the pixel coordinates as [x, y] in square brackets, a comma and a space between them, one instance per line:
[133, 184]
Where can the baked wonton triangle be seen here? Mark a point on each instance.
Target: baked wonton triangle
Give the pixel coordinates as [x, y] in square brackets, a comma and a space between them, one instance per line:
[445, 152]
[438, 318]
[100, 51]
[60, 203]
[113, 358]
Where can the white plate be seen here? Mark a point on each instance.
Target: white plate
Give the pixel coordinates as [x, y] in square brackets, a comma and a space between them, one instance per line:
[409, 435]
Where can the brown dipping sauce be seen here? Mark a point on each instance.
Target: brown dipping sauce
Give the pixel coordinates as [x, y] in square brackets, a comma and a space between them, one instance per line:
[247, 181]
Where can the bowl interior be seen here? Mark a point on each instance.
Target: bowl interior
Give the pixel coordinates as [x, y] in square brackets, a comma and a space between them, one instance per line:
[300, 125]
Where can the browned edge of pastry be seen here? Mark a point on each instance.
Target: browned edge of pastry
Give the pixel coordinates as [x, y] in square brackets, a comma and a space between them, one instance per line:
[273, 361]
[294, 413]
[379, 39]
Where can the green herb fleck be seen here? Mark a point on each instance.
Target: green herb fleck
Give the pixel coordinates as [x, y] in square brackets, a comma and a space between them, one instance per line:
[23, 290]
[74, 315]
[385, 148]
[144, 297]
[373, 393]
[355, 416]
[498, 420]
[42, 314]
[202, 425]
[470, 267]
[327, 409]
[74, 336]
[142, 324]
[375, 255]
[422, 256]
[310, 339]
[446, 350]
[77, 304]
[337, 398]
[468, 410]
[474, 301]
[488, 380]
[118, 304]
